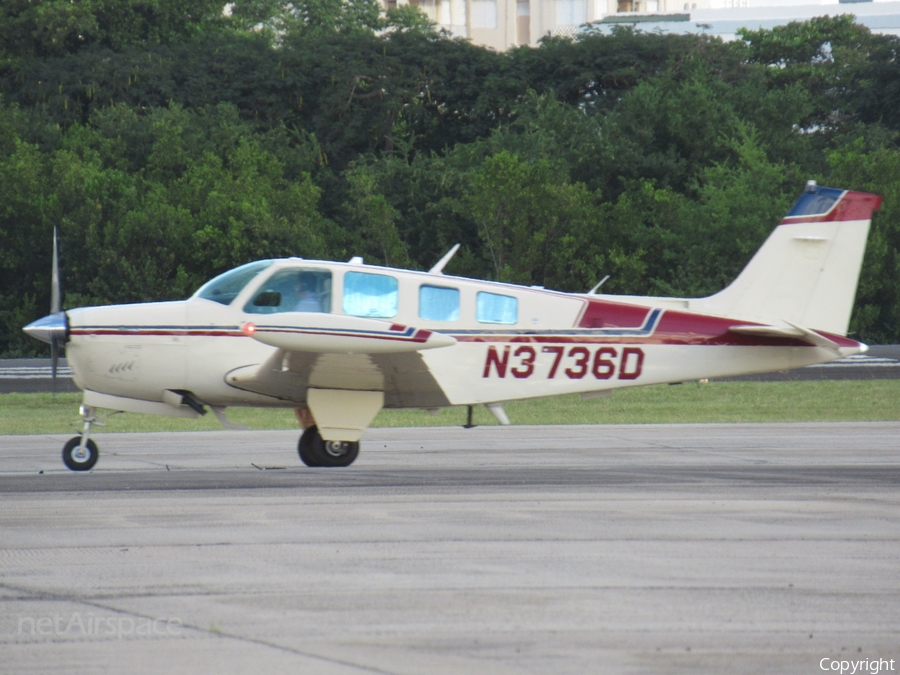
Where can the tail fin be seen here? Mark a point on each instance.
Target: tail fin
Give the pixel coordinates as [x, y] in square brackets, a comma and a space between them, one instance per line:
[807, 270]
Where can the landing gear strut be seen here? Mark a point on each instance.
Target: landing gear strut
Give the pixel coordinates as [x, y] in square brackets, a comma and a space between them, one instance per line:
[80, 453]
[315, 451]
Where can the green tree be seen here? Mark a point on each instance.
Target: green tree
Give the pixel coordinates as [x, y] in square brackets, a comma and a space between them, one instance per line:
[535, 225]
[56, 27]
[376, 220]
[311, 18]
[876, 317]
[26, 212]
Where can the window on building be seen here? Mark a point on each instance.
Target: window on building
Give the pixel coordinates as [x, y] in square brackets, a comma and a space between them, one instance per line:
[571, 12]
[523, 22]
[371, 295]
[484, 13]
[458, 20]
[438, 303]
[428, 7]
[293, 290]
[494, 308]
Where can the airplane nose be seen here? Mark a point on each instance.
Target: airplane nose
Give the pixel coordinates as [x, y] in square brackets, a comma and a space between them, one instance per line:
[50, 327]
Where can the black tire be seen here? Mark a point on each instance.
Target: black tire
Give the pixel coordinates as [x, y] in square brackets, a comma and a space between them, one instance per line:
[75, 463]
[309, 446]
[314, 451]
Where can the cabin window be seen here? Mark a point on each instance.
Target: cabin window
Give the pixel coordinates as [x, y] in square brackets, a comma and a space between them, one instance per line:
[438, 303]
[293, 290]
[226, 287]
[371, 295]
[494, 308]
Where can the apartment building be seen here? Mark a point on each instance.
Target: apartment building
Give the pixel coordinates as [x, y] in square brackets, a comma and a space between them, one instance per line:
[500, 24]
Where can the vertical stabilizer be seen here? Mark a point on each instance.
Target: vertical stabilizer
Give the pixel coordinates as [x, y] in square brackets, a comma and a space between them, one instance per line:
[807, 271]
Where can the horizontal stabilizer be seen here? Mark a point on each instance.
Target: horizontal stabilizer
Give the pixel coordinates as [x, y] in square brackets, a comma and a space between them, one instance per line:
[768, 331]
[791, 331]
[817, 339]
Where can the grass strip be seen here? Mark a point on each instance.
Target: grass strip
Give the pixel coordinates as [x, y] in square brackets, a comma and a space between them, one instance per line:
[816, 401]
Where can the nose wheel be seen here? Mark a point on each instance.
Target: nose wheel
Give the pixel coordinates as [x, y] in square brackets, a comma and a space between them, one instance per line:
[80, 453]
[315, 451]
[80, 456]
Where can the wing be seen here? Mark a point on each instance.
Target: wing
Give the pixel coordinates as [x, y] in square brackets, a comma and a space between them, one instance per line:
[348, 353]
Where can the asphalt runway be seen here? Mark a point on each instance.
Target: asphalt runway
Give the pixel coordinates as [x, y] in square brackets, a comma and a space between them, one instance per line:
[614, 549]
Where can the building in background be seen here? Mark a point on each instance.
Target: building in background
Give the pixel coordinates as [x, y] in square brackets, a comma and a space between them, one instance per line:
[500, 24]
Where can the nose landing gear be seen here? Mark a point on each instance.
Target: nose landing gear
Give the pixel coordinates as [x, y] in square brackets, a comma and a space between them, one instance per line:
[80, 453]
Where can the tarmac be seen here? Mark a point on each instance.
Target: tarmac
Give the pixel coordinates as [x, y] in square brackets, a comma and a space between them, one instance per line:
[731, 548]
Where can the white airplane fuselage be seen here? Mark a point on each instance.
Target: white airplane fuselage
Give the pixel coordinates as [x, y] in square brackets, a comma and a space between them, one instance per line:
[556, 343]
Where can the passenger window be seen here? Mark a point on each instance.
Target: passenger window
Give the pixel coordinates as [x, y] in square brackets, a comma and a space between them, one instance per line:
[438, 303]
[293, 290]
[372, 295]
[493, 308]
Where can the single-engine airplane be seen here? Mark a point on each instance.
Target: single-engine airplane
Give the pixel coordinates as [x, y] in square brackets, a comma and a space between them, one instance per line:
[340, 341]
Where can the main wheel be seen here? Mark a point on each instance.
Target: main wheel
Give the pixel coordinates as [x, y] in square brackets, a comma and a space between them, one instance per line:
[75, 459]
[309, 447]
[314, 451]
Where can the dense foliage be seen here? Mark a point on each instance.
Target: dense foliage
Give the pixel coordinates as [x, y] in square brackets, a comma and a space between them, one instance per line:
[168, 145]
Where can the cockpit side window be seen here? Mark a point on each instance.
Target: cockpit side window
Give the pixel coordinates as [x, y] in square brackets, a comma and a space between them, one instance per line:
[372, 295]
[226, 287]
[293, 290]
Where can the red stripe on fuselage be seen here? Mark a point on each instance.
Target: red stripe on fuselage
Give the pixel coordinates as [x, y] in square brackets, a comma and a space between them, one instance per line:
[675, 327]
[604, 314]
[419, 337]
[723, 340]
[159, 333]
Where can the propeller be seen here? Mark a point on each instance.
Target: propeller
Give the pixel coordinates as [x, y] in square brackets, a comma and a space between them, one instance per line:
[53, 328]
[54, 309]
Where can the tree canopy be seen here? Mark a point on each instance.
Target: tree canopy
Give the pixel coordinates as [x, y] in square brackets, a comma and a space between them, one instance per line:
[170, 141]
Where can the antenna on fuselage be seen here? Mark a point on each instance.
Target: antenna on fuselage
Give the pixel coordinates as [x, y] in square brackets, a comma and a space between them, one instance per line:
[596, 288]
[439, 267]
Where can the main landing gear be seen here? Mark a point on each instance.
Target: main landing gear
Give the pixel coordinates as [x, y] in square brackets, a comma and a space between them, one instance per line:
[80, 453]
[315, 451]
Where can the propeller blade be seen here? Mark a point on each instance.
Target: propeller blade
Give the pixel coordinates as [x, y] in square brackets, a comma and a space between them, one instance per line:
[54, 277]
[54, 308]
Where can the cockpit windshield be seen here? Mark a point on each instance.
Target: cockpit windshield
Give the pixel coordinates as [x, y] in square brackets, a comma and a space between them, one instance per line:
[226, 287]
